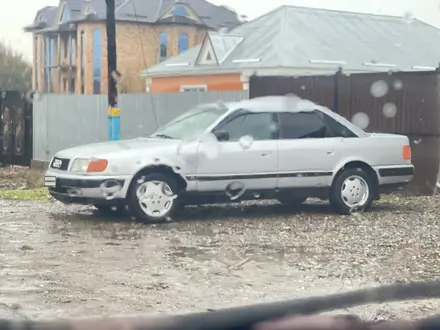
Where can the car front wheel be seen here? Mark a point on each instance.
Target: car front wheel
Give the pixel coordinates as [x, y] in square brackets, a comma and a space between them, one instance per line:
[153, 197]
[352, 191]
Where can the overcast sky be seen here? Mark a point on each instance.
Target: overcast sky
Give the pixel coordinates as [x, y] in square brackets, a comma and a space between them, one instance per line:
[22, 12]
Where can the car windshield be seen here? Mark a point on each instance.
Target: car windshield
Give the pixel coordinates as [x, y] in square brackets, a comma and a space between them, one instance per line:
[191, 123]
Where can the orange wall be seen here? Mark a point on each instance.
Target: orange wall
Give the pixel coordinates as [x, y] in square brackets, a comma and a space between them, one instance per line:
[215, 82]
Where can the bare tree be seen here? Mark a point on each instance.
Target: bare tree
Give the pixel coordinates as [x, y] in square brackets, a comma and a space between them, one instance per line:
[15, 70]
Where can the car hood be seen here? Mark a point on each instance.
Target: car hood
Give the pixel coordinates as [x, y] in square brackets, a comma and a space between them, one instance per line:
[114, 148]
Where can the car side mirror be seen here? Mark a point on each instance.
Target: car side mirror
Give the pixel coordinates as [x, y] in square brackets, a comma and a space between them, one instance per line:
[222, 135]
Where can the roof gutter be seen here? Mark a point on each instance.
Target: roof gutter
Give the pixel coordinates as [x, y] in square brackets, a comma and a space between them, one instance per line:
[295, 71]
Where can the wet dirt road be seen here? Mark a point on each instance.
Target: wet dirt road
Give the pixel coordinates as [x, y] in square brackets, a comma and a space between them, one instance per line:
[59, 261]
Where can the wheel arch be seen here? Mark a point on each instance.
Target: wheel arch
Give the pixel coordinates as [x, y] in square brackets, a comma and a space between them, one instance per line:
[162, 169]
[353, 164]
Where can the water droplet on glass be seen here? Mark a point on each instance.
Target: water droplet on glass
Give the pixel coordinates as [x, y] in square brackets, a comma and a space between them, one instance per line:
[141, 180]
[361, 120]
[235, 190]
[116, 76]
[246, 141]
[166, 190]
[389, 110]
[33, 96]
[273, 127]
[408, 17]
[379, 88]
[397, 85]
[111, 186]
[187, 151]
[210, 146]
[141, 191]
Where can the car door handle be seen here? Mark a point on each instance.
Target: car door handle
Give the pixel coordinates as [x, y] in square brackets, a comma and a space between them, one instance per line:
[330, 153]
[265, 154]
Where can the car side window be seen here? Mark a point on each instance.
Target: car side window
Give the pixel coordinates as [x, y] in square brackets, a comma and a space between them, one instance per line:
[301, 125]
[311, 124]
[256, 125]
[335, 128]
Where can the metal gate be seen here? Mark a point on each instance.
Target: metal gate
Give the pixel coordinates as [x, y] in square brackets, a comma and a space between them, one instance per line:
[15, 128]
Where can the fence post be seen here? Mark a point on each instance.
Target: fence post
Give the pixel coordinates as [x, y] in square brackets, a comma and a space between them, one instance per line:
[252, 86]
[338, 75]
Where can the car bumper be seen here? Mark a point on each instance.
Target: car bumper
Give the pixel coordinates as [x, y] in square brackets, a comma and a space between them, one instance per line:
[394, 176]
[86, 189]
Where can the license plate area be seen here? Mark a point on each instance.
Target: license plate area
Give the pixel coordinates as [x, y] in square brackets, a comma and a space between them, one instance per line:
[50, 181]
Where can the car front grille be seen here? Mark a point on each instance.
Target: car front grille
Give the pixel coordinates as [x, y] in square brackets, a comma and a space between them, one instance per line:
[60, 163]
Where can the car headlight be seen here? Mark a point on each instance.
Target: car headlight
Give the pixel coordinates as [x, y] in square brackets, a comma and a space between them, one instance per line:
[80, 165]
[89, 165]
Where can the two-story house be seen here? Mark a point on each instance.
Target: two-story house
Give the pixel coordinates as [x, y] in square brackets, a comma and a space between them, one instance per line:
[70, 43]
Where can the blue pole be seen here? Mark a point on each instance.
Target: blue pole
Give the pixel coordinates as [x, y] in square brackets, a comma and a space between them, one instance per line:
[114, 122]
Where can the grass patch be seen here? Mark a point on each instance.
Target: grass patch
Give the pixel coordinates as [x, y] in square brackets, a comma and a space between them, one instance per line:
[38, 194]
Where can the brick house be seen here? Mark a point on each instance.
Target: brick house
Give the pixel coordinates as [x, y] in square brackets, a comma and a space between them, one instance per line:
[297, 41]
[70, 44]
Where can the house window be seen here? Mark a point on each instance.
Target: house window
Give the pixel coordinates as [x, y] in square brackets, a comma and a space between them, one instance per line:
[72, 85]
[65, 15]
[97, 61]
[73, 51]
[163, 46]
[183, 42]
[83, 54]
[193, 88]
[49, 62]
[180, 11]
[37, 59]
[65, 47]
[86, 9]
[46, 61]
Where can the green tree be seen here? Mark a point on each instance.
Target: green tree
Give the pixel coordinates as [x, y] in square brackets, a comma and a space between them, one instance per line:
[15, 70]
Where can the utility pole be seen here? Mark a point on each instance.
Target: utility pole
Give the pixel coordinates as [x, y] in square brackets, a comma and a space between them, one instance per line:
[114, 113]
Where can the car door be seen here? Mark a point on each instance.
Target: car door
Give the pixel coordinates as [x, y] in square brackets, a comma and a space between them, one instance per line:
[308, 151]
[248, 156]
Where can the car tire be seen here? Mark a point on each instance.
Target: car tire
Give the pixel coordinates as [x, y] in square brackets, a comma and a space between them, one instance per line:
[292, 201]
[160, 197]
[352, 191]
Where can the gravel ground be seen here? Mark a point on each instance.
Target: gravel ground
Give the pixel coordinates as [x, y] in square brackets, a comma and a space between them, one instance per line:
[59, 261]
